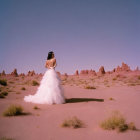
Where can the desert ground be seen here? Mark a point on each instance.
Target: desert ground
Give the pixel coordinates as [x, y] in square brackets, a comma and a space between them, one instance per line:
[90, 96]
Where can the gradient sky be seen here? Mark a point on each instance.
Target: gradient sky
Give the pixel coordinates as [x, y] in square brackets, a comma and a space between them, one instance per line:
[84, 34]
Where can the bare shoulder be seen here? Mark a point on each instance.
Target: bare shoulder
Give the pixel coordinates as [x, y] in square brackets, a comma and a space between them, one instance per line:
[47, 61]
[53, 59]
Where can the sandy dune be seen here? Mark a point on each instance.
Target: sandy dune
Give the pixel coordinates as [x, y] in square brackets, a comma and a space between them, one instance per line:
[89, 105]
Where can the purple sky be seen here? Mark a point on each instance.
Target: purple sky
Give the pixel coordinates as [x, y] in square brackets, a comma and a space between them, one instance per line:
[84, 34]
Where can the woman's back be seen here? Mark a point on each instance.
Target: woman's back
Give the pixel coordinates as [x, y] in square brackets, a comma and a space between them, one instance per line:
[51, 63]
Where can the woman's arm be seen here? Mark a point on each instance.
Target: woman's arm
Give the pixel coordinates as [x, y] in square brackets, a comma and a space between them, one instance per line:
[54, 63]
[46, 65]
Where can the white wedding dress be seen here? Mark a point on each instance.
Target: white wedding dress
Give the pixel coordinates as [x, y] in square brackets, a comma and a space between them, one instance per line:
[49, 91]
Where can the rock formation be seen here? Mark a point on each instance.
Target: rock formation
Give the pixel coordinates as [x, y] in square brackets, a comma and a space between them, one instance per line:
[3, 73]
[87, 72]
[137, 68]
[66, 75]
[14, 73]
[22, 74]
[118, 69]
[124, 67]
[76, 73]
[40, 74]
[58, 73]
[31, 73]
[92, 72]
[101, 70]
[83, 72]
[113, 70]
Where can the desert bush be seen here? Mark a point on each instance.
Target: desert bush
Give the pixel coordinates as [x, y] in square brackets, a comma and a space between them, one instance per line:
[27, 82]
[3, 82]
[13, 110]
[11, 82]
[73, 122]
[2, 88]
[131, 84]
[114, 78]
[35, 107]
[18, 92]
[90, 87]
[111, 98]
[122, 127]
[10, 90]
[22, 77]
[118, 122]
[139, 77]
[3, 94]
[92, 79]
[35, 83]
[113, 122]
[118, 75]
[64, 79]
[132, 126]
[5, 138]
[23, 88]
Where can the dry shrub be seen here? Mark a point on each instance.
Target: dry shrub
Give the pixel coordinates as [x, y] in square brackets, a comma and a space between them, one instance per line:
[35, 83]
[132, 126]
[23, 88]
[18, 92]
[3, 82]
[113, 122]
[114, 78]
[13, 110]
[111, 98]
[3, 94]
[11, 82]
[73, 122]
[90, 87]
[117, 122]
[10, 90]
[5, 138]
[36, 107]
[64, 79]
[139, 77]
[131, 84]
[22, 77]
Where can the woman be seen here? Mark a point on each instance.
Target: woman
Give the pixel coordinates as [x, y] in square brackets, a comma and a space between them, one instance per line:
[50, 90]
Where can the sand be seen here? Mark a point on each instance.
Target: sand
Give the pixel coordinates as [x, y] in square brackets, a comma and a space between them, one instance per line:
[91, 106]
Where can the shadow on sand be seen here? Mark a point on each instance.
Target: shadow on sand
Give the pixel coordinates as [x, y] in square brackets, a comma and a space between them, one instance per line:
[76, 100]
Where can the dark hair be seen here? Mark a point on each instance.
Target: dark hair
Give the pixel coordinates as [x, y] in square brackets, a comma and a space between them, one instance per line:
[50, 55]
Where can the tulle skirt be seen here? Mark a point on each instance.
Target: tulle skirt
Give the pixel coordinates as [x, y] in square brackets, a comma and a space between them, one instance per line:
[49, 91]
